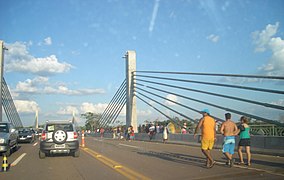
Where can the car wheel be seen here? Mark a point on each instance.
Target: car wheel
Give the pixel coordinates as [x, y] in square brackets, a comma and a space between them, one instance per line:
[76, 153]
[59, 136]
[41, 154]
[16, 147]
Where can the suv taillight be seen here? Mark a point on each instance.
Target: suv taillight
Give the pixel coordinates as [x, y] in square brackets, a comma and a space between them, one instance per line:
[43, 135]
[75, 135]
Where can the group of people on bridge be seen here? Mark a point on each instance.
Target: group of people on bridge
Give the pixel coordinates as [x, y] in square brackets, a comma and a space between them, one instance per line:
[229, 129]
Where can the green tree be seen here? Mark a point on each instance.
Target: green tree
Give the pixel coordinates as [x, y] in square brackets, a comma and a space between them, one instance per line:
[92, 120]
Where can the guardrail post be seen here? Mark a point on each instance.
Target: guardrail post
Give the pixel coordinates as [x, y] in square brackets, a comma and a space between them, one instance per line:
[131, 116]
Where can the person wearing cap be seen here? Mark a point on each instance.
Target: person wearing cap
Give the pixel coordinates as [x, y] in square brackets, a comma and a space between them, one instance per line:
[208, 136]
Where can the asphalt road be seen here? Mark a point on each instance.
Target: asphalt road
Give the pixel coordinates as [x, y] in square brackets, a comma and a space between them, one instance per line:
[113, 159]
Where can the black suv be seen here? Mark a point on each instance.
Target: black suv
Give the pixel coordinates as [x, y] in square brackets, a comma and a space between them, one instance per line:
[59, 137]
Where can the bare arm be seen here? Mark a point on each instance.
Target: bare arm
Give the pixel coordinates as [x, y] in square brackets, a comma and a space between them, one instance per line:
[215, 130]
[198, 127]
[236, 130]
[222, 128]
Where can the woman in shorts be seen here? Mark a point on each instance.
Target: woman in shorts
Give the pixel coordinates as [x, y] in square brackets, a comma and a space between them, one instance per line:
[244, 134]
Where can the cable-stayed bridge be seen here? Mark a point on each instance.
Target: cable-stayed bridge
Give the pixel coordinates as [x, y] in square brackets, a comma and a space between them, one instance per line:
[184, 94]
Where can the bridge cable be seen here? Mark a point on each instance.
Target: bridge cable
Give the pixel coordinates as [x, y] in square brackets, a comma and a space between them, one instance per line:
[216, 94]
[171, 119]
[218, 119]
[214, 84]
[114, 98]
[9, 106]
[228, 109]
[114, 115]
[213, 74]
[113, 106]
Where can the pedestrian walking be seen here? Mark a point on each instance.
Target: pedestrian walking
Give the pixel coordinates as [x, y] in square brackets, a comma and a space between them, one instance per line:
[244, 133]
[165, 134]
[229, 130]
[131, 135]
[208, 136]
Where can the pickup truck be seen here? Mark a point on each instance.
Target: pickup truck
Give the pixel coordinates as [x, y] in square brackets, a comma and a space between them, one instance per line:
[8, 138]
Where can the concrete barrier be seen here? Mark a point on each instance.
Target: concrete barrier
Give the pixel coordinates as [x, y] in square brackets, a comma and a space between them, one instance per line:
[272, 145]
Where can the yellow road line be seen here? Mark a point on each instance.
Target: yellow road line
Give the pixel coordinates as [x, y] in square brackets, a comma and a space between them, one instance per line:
[125, 171]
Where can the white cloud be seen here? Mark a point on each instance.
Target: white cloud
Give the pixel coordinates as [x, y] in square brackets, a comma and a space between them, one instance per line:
[261, 39]
[99, 108]
[24, 106]
[30, 85]
[18, 59]
[212, 37]
[48, 41]
[265, 40]
[154, 16]
[40, 85]
[144, 112]
[68, 110]
[90, 107]
[171, 97]
[64, 90]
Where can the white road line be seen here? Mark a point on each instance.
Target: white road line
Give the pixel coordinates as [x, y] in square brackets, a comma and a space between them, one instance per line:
[128, 146]
[18, 159]
[35, 144]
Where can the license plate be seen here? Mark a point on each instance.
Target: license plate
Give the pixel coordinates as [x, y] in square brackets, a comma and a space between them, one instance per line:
[59, 145]
[22, 138]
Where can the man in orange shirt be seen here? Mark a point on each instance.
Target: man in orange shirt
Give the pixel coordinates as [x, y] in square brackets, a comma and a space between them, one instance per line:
[208, 136]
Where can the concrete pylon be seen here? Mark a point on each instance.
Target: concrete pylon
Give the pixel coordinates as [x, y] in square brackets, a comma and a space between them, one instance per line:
[1, 75]
[131, 116]
[73, 117]
[36, 120]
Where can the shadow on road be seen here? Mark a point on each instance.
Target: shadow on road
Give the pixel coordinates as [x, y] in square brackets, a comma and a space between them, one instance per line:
[175, 157]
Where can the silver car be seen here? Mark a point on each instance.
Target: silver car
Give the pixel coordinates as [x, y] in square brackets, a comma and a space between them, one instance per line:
[59, 137]
[8, 138]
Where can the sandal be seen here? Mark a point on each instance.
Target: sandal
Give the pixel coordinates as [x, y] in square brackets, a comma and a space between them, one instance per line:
[248, 164]
[240, 163]
[211, 165]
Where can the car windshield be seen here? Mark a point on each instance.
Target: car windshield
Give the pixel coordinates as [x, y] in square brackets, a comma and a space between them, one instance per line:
[54, 127]
[4, 128]
[24, 130]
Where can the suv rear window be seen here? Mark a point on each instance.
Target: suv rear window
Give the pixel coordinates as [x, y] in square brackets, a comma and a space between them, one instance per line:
[54, 127]
[4, 128]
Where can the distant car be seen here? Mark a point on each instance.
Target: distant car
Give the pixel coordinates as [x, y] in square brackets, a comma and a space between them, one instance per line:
[8, 138]
[59, 137]
[26, 135]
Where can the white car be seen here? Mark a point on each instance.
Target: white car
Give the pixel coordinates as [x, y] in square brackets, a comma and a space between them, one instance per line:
[59, 137]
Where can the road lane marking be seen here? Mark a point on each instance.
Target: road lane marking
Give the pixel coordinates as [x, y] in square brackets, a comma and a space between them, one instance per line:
[136, 147]
[18, 159]
[35, 144]
[260, 170]
[128, 173]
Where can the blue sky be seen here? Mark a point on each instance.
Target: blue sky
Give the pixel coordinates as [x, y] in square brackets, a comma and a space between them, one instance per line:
[66, 56]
